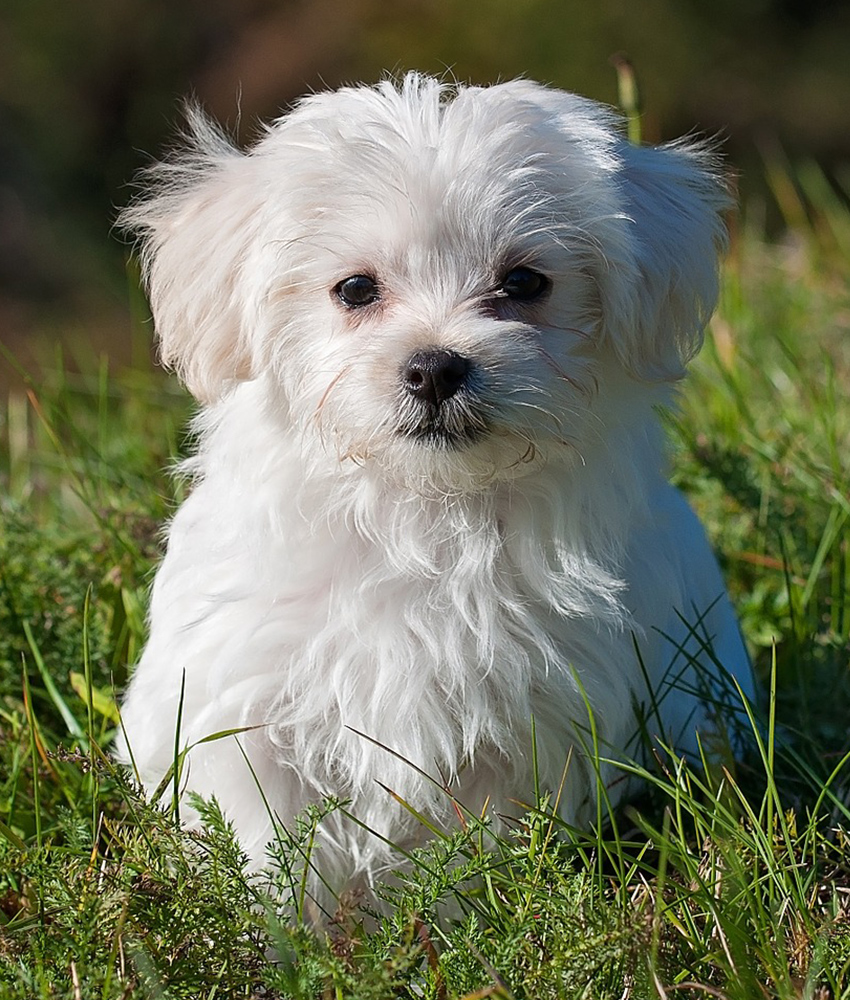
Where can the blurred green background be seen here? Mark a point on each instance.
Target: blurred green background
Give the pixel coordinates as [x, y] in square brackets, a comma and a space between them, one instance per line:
[89, 91]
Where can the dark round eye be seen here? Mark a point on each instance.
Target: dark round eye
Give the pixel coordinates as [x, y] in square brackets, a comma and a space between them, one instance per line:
[358, 290]
[524, 284]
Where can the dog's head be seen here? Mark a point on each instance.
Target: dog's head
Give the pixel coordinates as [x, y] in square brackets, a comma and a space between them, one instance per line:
[433, 281]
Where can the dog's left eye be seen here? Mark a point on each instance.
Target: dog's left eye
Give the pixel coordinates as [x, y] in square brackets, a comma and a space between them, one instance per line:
[523, 284]
[358, 290]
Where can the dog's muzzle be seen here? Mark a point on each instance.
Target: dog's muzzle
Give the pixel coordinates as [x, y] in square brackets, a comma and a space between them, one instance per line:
[439, 403]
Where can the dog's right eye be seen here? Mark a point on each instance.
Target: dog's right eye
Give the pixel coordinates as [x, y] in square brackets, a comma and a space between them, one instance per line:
[523, 284]
[358, 290]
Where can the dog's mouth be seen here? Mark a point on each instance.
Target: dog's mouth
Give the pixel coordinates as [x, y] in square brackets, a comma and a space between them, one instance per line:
[450, 427]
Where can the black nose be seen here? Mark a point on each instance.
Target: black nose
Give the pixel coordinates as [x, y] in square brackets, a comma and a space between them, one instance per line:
[433, 376]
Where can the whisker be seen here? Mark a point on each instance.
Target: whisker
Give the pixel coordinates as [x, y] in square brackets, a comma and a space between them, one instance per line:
[333, 382]
[577, 331]
[550, 419]
[317, 413]
[533, 406]
[559, 371]
[527, 457]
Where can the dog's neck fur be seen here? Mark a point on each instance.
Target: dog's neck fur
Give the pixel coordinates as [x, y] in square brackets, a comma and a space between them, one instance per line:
[557, 535]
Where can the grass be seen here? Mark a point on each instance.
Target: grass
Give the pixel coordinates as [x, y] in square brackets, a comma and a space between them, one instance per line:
[722, 885]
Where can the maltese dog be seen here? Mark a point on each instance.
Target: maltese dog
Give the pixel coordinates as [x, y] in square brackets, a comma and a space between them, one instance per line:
[430, 554]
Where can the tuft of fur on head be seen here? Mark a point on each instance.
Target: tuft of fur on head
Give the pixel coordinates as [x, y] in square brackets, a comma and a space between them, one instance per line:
[429, 328]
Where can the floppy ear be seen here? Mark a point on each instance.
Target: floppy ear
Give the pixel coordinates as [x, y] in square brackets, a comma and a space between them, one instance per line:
[659, 287]
[197, 224]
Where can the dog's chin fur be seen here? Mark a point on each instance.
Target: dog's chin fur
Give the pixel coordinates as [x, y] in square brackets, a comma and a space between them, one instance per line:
[377, 585]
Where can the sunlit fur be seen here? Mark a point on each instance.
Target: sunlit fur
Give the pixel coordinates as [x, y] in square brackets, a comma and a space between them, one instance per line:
[332, 574]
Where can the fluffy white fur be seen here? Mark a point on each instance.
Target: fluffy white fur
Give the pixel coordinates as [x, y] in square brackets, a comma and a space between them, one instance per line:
[334, 572]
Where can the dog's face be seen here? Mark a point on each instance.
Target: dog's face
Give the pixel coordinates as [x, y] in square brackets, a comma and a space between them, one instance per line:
[433, 287]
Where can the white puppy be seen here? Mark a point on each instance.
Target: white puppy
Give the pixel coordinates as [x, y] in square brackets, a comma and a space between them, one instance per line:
[428, 328]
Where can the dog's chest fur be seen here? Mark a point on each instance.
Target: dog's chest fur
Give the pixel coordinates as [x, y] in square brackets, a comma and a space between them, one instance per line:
[382, 633]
